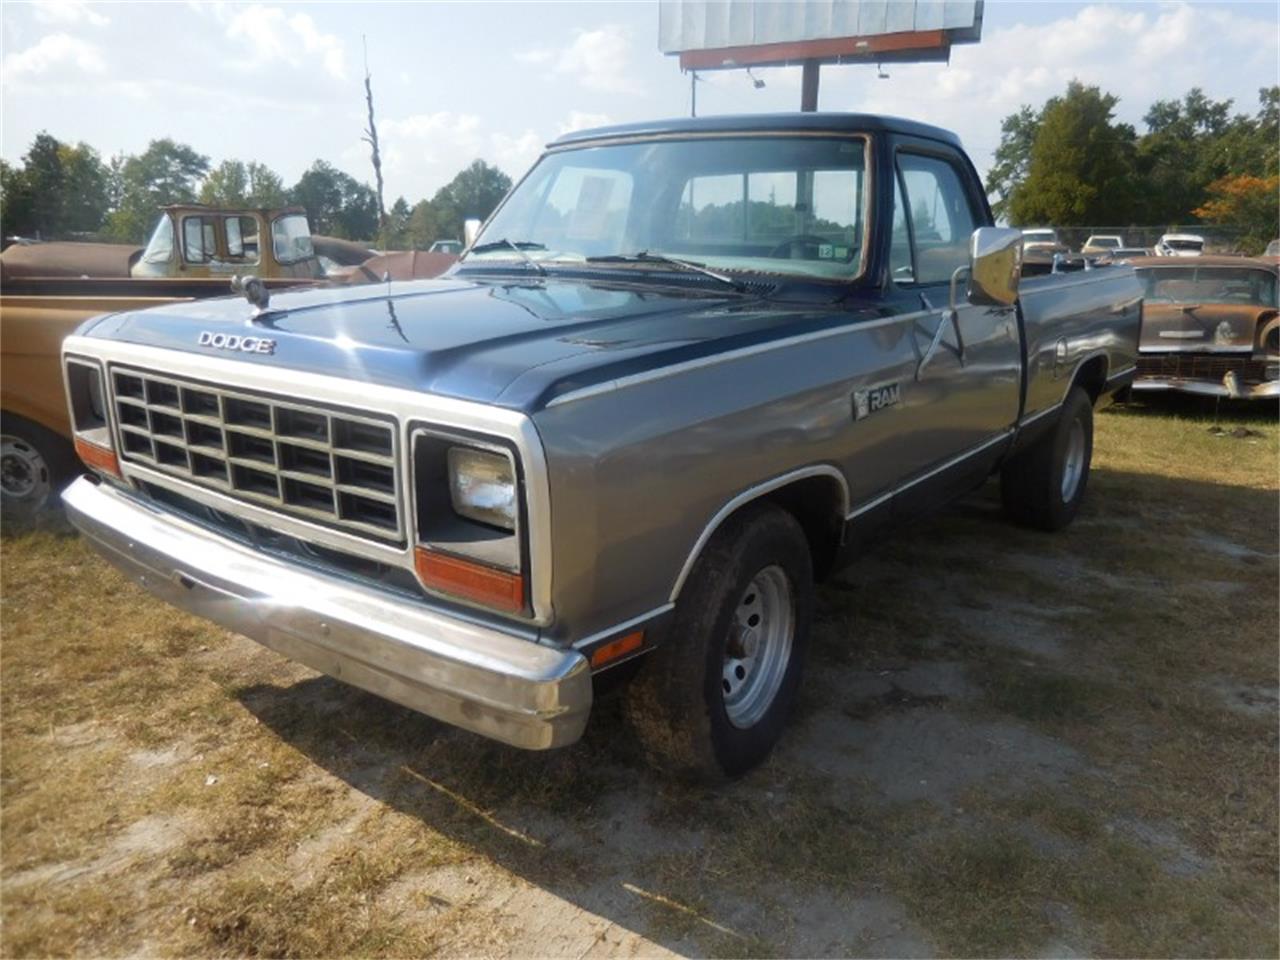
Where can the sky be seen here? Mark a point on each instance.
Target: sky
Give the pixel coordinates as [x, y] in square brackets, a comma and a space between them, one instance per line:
[282, 82]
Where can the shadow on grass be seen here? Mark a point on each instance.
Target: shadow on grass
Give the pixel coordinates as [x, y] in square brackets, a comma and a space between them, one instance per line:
[1191, 407]
[591, 825]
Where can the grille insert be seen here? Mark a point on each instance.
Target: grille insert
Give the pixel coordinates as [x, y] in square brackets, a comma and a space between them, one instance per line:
[331, 466]
[1208, 366]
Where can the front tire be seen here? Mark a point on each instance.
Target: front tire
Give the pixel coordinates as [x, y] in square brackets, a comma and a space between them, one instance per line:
[1044, 485]
[713, 699]
[35, 464]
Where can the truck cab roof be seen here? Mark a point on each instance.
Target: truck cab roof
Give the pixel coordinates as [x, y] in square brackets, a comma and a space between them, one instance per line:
[762, 122]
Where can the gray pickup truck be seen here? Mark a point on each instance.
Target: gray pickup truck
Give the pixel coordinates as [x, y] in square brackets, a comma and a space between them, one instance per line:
[684, 372]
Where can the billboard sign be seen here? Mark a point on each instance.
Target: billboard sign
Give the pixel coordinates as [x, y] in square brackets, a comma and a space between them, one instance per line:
[724, 34]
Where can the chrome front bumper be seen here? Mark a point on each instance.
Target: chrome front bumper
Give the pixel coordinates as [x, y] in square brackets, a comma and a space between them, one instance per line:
[1228, 386]
[485, 680]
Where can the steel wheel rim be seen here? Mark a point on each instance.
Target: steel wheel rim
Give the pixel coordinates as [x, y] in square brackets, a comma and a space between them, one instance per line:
[23, 473]
[1073, 464]
[758, 648]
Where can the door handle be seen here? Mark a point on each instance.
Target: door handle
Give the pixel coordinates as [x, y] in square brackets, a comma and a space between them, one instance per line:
[951, 316]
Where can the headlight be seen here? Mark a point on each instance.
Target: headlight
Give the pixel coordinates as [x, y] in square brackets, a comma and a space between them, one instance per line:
[482, 486]
[468, 500]
[90, 429]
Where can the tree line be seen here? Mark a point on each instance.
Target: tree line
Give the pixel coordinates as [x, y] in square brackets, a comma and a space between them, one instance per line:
[62, 190]
[1070, 163]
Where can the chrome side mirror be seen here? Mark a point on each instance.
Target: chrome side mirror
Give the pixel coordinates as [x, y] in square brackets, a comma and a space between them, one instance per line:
[470, 230]
[995, 266]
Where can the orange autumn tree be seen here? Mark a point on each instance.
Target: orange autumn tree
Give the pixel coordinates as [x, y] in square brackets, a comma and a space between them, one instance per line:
[1250, 203]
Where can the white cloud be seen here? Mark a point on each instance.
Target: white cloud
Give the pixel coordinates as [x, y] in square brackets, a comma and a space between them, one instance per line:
[69, 12]
[515, 153]
[540, 55]
[430, 126]
[599, 59]
[273, 36]
[55, 50]
[579, 120]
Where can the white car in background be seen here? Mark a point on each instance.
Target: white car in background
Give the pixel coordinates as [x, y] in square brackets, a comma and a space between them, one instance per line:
[1102, 243]
[1043, 240]
[1180, 245]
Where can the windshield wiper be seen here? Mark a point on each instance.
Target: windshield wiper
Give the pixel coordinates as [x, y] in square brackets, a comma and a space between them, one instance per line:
[519, 246]
[644, 256]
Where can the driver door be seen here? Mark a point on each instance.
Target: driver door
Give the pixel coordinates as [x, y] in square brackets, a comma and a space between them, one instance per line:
[967, 374]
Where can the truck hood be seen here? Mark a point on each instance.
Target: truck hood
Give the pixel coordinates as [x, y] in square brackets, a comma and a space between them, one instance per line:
[510, 342]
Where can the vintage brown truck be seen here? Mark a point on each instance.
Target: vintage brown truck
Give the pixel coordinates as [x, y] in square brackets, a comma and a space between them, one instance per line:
[49, 289]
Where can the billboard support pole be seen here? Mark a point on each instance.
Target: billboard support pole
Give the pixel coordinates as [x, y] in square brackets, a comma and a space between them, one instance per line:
[809, 86]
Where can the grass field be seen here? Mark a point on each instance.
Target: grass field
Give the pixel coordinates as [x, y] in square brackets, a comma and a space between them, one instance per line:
[1008, 743]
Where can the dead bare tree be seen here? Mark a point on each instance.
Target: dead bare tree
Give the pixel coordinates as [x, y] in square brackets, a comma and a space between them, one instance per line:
[371, 138]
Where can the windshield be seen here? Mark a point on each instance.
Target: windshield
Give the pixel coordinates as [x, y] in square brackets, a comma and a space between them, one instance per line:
[160, 246]
[1103, 242]
[1184, 244]
[291, 238]
[1038, 236]
[1210, 285]
[776, 204]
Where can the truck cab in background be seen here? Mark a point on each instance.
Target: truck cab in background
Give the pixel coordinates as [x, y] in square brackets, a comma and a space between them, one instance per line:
[194, 240]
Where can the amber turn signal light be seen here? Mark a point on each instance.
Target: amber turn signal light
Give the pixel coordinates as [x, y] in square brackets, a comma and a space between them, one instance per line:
[477, 582]
[616, 649]
[99, 458]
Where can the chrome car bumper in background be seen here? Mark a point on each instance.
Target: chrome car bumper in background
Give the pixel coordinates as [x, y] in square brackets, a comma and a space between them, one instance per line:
[1221, 374]
[1228, 386]
[497, 684]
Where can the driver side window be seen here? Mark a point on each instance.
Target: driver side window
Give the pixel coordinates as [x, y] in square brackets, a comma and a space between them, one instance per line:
[930, 194]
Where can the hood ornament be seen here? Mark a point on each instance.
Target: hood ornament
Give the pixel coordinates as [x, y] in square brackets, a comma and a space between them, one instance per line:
[254, 290]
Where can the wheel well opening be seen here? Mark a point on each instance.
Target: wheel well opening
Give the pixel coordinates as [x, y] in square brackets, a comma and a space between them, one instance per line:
[1092, 376]
[818, 505]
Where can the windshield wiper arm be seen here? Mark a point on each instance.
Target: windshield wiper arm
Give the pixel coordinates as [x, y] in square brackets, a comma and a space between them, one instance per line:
[644, 256]
[519, 246]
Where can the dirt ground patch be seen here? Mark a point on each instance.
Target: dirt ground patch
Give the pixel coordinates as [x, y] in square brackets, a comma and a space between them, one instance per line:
[1008, 744]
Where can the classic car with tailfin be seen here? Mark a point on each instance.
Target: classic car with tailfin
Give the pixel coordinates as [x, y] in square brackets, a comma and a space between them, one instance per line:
[1210, 326]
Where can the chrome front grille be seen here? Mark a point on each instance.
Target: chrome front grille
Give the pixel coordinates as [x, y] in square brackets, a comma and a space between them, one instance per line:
[336, 467]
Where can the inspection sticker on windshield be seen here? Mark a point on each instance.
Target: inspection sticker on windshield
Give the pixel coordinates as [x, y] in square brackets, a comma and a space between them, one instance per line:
[873, 399]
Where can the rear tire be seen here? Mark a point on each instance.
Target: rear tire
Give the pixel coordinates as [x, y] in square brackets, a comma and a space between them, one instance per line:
[713, 699]
[35, 464]
[1044, 485]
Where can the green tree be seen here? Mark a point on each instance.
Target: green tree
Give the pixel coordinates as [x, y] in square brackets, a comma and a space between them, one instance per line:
[265, 188]
[46, 184]
[227, 185]
[166, 172]
[1180, 154]
[425, 227]
[474, 192]
[1081, 169]
[86, 197]
[337, 204]
[1013, 158]
[58, 190]
[16, 218]
[398, 223]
